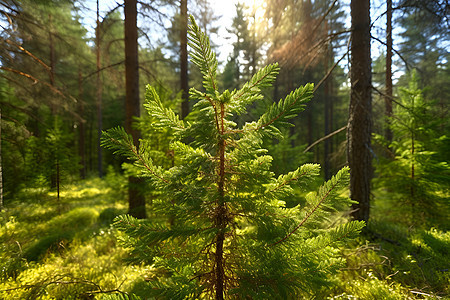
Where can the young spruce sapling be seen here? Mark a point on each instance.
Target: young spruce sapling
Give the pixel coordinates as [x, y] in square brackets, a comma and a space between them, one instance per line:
[230, 234]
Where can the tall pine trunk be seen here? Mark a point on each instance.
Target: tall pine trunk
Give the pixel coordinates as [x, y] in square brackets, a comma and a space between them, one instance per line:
[52, 58]
[388, 79]
[360, 111]
[99, 96]
[1, 170]
[184, 60]
[327, 100]
[136, 200]
[81, 128]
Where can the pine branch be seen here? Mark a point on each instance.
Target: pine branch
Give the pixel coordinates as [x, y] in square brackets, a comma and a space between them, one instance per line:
[121, 296]
[36, 80]
[203, 99]
[324, 192]
[189, 152]
[251, 91]
[121, 143]
[47, 68]
[203, 57]
[341, 232]
[165, 116]
[279, 113]
[306, 170]
[151, 234]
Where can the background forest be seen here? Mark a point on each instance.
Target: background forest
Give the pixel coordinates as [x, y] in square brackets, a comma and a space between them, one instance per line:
[72, 70]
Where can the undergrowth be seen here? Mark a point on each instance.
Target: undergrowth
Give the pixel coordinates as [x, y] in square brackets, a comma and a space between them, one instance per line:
[69, 253]
[75, 253]
[395, 260]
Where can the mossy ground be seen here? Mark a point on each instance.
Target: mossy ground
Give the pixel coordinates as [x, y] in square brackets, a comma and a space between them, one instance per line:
[69, 250]
[65, 250]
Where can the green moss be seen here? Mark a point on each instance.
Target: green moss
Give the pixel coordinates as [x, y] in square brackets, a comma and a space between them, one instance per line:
[373, 289]
[107, 215]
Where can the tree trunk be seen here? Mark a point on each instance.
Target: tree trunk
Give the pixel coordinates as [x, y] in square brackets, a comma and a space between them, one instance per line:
[413, 131]
[90, 145]
[99, 97]
[184, 60]
[81, 129]
[1, 171]
[327, 95]
[253, 48]
[388, 80]
[220, 217]
[54, 179]
[309, 125]
[136, 200]
[360, 111]
[52, 57]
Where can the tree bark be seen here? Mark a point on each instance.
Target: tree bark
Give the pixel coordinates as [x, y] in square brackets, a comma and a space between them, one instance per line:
[52, 58]
[99, 96]
[81, 128]
[360, 111]
[184, 60]
[327, 125]
[136, 200]
[1, 170]
[388, 80]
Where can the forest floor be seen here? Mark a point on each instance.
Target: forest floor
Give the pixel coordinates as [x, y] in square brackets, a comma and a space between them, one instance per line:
[54, 249]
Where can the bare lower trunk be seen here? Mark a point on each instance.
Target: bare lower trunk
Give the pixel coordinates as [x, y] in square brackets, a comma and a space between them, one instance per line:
[136, 200]
[58, 181]
[184, 60]
[326, 144]
[360, 111]
[388, 80]
[81, 129]
[99, 98]
[1, 171]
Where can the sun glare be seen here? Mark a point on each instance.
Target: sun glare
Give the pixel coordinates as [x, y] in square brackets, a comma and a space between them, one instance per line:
[257, 8]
